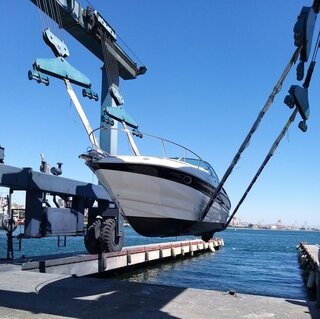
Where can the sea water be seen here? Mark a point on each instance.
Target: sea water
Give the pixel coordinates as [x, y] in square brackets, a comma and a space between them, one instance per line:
[261, 262]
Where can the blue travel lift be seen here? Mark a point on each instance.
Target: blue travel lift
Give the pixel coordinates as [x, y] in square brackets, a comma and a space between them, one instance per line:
[104, 229]
[41, 219]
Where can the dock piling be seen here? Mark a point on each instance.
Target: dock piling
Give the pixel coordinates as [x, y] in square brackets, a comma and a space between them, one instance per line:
[309, 259]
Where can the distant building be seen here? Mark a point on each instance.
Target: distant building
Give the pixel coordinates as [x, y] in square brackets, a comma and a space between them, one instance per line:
[235, 222]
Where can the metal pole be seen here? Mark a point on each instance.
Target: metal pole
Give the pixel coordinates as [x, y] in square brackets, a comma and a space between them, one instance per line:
[10, 228]
[108, 138]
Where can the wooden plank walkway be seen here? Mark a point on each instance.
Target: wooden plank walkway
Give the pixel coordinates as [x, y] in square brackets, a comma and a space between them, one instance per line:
[86, 264]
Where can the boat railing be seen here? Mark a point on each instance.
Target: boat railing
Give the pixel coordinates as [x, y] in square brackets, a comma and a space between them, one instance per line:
[155, 146]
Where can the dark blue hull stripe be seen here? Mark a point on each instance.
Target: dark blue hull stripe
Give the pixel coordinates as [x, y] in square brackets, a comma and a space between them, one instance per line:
[158, 171]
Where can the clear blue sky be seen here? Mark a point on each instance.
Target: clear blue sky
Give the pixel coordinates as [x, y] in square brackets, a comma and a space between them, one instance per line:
[211, 66]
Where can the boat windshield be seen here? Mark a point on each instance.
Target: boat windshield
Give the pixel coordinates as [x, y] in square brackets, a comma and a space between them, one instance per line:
[200, 163]
[163, 148]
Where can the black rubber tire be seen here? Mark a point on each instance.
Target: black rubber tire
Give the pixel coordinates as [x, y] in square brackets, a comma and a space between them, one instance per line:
[91, 243]
[108, 240]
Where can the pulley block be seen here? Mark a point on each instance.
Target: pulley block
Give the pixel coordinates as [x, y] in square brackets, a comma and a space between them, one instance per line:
[38, 76]
[90, 94]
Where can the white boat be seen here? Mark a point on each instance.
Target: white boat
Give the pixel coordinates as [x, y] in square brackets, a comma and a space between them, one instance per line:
[162, 195]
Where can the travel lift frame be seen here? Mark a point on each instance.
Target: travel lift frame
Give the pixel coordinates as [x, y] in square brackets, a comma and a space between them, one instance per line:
[91, 29]
[297, 98]
[104, 231]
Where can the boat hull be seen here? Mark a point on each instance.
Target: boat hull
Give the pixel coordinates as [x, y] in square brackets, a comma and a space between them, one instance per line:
[160, 200]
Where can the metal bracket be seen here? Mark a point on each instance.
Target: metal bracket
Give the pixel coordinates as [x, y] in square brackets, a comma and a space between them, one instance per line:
[38, 76]
[116, 95]
[58, 47]
[119, 114]
[90, 94]
[303, 33]
[298, 97]
[61, 69]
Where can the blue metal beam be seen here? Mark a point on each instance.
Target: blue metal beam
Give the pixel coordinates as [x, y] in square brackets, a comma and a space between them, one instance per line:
[86, 27]
[28, 180]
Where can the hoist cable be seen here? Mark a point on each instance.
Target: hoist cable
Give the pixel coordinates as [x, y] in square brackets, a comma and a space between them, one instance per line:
[40, 15]
[312, 64]
[129, 49]
[46, 11]
[60, 23]
[264, 163]
[59, 20]
[118, 37]
[254, 127]
[110, 62]
[56, 19]
[316, 48]
[50, 16]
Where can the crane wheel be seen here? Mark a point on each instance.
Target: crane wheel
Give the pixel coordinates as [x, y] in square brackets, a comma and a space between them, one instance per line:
[91, 241]
[108, 240]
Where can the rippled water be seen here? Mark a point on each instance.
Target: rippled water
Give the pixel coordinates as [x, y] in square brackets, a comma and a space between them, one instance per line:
[252, 261]
[259, 262]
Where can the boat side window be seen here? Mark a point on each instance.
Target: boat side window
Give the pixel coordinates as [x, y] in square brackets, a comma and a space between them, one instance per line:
[209, 168]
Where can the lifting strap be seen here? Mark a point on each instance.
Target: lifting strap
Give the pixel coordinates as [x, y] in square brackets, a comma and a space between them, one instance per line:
[82, 115]
[266, 160]
[281, 135]
[254, 127]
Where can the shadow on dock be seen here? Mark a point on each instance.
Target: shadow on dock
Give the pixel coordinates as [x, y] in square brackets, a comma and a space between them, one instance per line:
[313, 309]
[43, 295]
[88, 298]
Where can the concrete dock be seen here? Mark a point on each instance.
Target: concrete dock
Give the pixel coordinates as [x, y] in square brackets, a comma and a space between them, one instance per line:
[49, 294]
[25, 294]
[86, 264]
